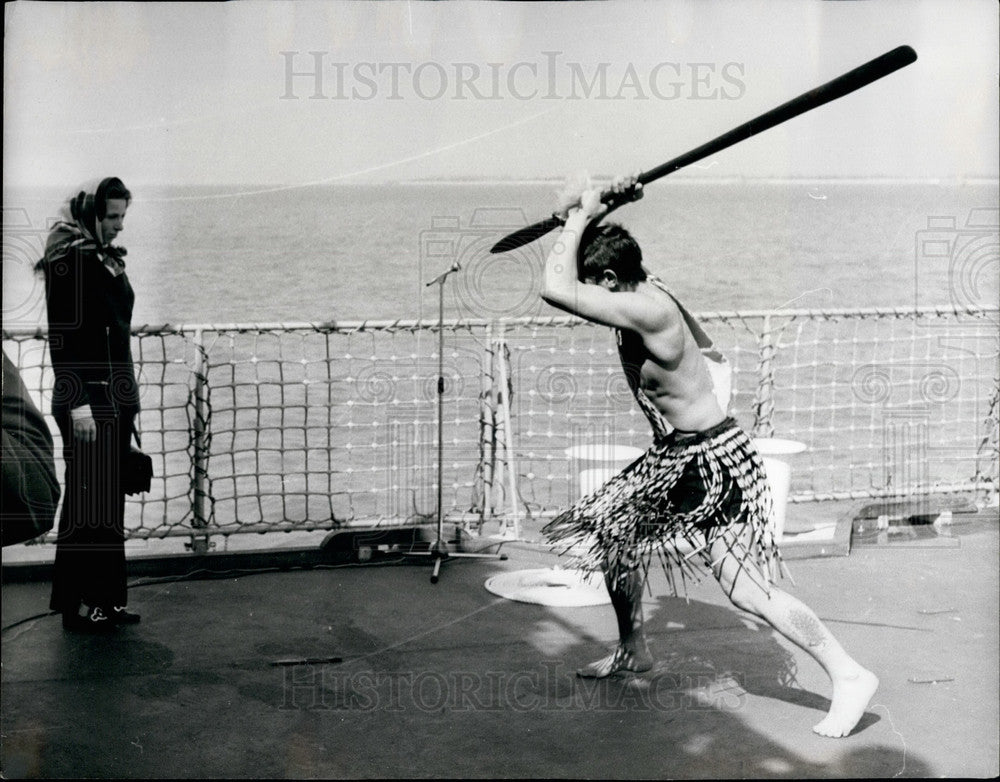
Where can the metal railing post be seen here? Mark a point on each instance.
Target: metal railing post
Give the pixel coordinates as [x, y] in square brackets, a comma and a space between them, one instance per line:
[988, 451]
[199, 543]
[487, 431]
[764, 398]
[504, 389]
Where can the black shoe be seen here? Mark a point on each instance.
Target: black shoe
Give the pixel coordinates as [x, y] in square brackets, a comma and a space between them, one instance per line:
[122, 616]
[94, 621]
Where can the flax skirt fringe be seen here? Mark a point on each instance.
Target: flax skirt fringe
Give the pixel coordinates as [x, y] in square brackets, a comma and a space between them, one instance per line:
[684, 494]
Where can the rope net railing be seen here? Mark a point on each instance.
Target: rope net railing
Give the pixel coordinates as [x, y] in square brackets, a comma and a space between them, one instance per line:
[887, 403]
[286, 427]
[323, 428]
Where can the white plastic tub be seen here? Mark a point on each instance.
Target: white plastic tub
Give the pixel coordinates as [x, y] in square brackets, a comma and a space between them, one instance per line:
[597, 462]
[776, 454]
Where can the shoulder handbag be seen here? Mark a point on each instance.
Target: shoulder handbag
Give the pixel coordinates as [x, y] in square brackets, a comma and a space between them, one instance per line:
[137, 469]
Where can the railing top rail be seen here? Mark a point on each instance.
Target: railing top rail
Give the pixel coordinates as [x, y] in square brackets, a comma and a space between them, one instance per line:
[405, 324]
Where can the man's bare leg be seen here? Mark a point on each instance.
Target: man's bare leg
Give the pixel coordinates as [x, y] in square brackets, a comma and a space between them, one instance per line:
[853, 685]
[632, 653]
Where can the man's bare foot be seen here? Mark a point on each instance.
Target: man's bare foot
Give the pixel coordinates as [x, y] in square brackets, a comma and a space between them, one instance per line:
[620, 660]
[851, 697]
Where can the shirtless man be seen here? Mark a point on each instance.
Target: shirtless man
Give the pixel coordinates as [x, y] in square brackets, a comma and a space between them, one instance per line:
[702, 482]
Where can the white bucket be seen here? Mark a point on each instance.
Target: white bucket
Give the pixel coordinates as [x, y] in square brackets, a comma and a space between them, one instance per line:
[774, 453]
[593, 479]
[600, 461]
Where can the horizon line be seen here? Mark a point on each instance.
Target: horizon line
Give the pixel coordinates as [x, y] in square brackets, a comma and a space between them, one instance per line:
[478, 180]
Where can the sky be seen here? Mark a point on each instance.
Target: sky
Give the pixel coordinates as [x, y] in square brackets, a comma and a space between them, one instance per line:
[294, 93]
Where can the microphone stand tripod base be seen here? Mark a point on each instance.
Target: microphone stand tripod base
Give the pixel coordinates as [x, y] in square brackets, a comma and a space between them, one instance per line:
[441, 551]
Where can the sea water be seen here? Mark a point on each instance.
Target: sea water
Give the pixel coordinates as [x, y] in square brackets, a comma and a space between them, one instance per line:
[362, 252]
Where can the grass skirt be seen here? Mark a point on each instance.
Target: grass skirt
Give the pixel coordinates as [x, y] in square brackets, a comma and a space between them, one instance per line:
[684, 494]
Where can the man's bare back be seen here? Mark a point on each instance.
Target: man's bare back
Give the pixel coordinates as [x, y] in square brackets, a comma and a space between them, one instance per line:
[670, 369]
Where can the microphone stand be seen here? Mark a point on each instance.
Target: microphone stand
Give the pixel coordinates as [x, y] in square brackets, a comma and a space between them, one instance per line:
[439, 548]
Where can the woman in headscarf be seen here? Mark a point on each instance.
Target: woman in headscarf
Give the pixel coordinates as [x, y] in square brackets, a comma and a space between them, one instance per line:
[95, 402]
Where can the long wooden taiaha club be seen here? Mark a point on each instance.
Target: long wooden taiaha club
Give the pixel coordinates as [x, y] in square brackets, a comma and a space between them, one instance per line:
[843, 85]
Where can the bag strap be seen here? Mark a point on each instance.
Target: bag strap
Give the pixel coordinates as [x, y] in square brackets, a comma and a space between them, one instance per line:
[107, 351]
[701, 337]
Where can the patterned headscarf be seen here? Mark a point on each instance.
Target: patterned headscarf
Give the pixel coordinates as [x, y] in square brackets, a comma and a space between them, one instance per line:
[80, 228]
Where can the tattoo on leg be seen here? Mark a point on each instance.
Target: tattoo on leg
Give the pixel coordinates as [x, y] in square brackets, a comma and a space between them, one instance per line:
[808, 627]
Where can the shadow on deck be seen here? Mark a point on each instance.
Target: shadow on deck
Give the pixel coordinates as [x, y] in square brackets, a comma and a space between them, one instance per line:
[281, 667]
